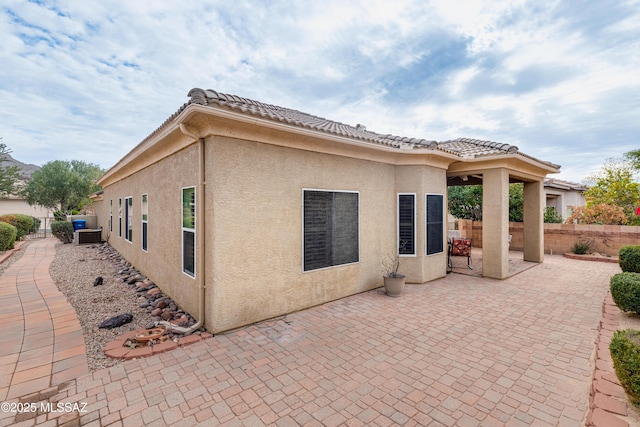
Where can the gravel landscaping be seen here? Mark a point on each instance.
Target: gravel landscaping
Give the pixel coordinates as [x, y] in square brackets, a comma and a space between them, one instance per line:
[123, 290]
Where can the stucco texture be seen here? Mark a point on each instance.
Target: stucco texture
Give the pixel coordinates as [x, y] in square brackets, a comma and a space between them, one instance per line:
[255, 236]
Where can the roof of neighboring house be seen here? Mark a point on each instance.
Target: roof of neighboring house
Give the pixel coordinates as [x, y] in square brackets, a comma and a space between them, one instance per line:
[564, 185]
[464, 148]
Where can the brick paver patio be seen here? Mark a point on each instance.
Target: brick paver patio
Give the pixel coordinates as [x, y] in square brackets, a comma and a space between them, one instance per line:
[459, 351]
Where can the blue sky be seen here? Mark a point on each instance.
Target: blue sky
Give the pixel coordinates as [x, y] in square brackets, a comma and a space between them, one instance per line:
[88, 80]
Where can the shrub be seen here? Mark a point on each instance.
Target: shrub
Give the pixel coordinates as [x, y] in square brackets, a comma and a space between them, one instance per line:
[625, 291]
[63, 230]
[625, 352]
[24, 223]
[8, 235]
[551, 216]
[36, 225]
[582, 247]
[629, 258]
[598, 214]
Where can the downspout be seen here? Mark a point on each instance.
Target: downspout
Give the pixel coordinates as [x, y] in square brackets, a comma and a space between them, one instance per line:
[200, 233]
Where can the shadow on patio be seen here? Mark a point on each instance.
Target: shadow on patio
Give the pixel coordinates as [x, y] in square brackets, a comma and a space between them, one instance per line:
[516, 263]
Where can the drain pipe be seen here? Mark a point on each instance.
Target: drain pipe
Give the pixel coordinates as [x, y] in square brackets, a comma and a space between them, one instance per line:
[200, 232]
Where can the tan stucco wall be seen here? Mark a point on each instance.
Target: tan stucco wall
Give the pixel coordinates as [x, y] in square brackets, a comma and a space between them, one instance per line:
[253, 208]
[255, 238]
[423, 180]
[163, 182]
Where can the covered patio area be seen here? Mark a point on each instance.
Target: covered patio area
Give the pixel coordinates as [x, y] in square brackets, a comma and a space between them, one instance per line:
[516, 264]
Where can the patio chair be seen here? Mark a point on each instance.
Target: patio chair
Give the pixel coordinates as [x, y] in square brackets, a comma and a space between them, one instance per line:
[460, 247]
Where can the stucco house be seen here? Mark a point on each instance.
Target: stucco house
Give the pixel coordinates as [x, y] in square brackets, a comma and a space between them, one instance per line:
[241, 211]
[564, 195]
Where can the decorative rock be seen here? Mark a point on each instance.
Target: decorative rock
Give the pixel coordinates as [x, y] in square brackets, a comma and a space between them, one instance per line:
[116, 321]
[156, 312]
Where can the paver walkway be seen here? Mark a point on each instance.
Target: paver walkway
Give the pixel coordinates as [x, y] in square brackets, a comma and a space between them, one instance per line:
[459, 351]
[41, 339]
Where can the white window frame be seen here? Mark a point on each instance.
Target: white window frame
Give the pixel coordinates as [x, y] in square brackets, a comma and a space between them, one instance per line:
[415, 225]
[128, 219]
[188, 230]
[110, 215]
[144, 219]
[426, 228]
[120, 217]
[302, 237]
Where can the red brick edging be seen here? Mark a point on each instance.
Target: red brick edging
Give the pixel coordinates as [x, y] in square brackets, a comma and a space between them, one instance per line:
[607, 398]
[591, 258]
[117, 350]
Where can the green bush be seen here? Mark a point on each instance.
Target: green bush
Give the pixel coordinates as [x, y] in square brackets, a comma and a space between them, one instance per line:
[629, 258]
[582, 247]
[36, 225]
[625, 352]
[551, 216]
[24, 223]
[63, 230]
[8, 234]
[625, 291]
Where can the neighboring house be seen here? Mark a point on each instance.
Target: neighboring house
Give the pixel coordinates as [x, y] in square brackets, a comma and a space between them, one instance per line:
[563, 195]
[17, 204]
[241, 211]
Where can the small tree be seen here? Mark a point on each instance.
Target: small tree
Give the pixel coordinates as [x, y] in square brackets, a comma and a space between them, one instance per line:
[62, 185]
[9, 176]
[598, 214]
[614, 185]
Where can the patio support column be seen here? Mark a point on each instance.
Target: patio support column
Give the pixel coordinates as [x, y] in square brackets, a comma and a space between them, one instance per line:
[533, 221]
[495, 223]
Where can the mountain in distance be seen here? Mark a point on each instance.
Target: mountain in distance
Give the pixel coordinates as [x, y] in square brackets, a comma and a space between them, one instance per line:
[25, 170]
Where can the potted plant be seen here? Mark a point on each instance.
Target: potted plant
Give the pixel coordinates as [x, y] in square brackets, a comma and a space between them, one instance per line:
[393, 281]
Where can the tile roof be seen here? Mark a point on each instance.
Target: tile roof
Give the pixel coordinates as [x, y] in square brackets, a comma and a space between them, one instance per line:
[564, 185]
[462, 147]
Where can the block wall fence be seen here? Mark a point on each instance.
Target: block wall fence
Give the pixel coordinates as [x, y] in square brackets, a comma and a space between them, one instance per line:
[560, 238]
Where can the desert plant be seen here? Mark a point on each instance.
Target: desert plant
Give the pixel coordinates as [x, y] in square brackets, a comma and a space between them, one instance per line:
[629, 258]
[23, 223]
[8, 235]
[63, 230]
[625, 352]
[582, 247]
[391, 265]
[625, 291]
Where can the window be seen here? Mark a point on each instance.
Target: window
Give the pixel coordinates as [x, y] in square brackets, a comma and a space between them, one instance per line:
[119, 217]
[189, 231]
[111, 215]
[145, 219]
[128, 219]
[330, 228]
[435, 223]
[406, 224]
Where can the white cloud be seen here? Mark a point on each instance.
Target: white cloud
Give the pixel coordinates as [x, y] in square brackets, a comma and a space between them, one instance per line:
[90, 79]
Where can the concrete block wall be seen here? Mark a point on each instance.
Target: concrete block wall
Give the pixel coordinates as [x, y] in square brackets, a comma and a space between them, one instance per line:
[560, 238]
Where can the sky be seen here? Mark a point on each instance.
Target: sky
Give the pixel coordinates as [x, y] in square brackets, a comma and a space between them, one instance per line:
[88, 80]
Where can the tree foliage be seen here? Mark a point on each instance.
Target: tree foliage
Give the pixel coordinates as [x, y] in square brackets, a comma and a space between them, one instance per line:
[465, 202]
[614, 185]
[63, 185]
[598, 214]
[633, 157]
[9, 176]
